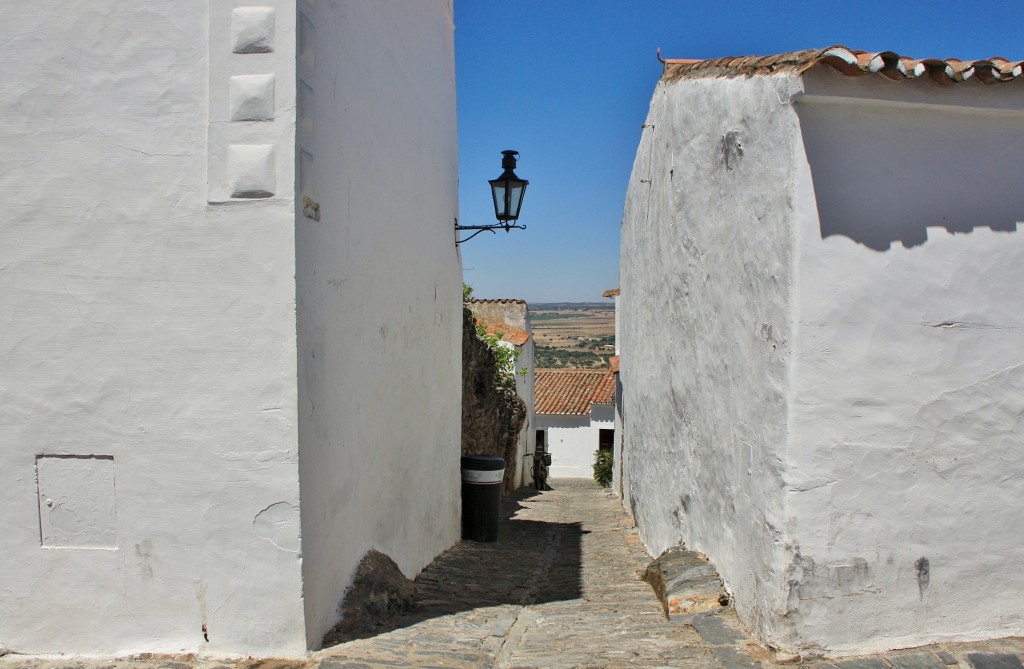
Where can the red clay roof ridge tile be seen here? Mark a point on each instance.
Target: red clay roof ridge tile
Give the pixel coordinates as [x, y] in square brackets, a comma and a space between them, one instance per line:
[850, 62]
[512, 335]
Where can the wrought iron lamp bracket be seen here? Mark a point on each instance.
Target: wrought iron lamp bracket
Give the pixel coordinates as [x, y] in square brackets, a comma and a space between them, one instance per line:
[484, 228]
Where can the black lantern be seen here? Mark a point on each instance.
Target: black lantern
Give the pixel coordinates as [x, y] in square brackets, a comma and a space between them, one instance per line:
[507, 191]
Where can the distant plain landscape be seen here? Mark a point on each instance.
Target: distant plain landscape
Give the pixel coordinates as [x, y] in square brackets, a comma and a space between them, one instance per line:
[573, 334]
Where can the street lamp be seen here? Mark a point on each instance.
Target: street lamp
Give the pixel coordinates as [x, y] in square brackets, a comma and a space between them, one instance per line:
[507, 191]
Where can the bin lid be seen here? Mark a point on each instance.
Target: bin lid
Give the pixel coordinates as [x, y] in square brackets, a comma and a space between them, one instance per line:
[485, 463]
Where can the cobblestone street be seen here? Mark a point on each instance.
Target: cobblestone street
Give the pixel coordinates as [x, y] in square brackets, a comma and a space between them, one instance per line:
[560, 588]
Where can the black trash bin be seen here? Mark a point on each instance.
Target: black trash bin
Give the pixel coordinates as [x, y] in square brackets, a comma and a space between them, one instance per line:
[481, 495]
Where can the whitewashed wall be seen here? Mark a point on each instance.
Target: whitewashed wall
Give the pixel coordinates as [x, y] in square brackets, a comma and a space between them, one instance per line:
[525, 390]
[618, 482]
[705, 329]
[155, 383]
[379, 301]
[906, 490]
[573, 440]
[147, 356]
[620, 485]
[825, 404]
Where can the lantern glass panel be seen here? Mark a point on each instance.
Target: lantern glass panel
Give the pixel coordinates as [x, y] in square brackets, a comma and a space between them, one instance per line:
[498, 193]
[516, 191]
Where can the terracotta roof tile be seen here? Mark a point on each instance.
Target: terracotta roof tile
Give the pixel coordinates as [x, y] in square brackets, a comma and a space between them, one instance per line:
[614, 361]
[500, 301]
[572, 391]
[509, 334]
[614, 292]
[851, 63]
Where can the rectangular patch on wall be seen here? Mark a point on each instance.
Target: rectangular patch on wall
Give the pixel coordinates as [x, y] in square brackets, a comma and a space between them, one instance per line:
[77, 507]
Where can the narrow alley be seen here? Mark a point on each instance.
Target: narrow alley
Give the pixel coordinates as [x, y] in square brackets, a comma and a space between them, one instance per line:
[561, 588]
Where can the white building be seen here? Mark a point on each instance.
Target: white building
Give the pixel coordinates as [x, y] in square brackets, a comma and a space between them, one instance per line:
[512, 319]
[823, 342]
[576, 416]
[225, 248]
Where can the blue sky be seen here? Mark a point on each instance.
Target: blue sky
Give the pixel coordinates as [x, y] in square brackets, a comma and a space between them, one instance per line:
[567, 84]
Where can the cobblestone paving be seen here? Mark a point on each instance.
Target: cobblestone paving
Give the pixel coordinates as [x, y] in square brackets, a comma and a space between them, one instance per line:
[560, 588]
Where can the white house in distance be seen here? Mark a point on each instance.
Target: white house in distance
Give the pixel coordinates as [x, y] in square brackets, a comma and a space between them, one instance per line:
[226, 243]
[576, 418]
[512, 319]
[823, 342]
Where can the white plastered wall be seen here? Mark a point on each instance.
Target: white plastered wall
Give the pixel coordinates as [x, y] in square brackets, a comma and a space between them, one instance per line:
[573, 440]
[147, 357]
[705, 330]
[906, 485]
[525, 390]
[379, 302]
[618, 481]
[822, 358]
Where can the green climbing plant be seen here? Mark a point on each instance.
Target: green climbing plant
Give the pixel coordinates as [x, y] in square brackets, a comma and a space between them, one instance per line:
[506, 355]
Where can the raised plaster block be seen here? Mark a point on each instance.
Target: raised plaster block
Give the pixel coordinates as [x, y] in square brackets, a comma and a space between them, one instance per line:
[251, 170]
[252, 97]
[252, 30]
[76, 501]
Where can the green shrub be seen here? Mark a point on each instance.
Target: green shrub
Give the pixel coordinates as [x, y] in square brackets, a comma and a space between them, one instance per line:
[603, 461]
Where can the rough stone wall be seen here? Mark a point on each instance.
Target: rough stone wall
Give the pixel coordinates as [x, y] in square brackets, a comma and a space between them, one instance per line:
[513, 312]
[492, 416]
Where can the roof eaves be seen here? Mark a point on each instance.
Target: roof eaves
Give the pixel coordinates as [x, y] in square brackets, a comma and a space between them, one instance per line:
[850, 63]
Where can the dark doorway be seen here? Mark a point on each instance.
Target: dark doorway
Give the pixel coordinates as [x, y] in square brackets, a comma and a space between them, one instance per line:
[540, 439]
[606, 439]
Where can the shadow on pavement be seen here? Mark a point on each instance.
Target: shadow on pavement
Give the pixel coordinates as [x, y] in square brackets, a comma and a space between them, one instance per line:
[532, 562]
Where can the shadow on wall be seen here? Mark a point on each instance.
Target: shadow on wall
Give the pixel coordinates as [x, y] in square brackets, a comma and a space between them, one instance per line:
[884, 175]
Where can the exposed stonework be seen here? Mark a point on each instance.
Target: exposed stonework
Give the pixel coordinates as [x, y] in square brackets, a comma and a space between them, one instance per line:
[492, 416]
[685, 583]
[513, 312]
[378, 593]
